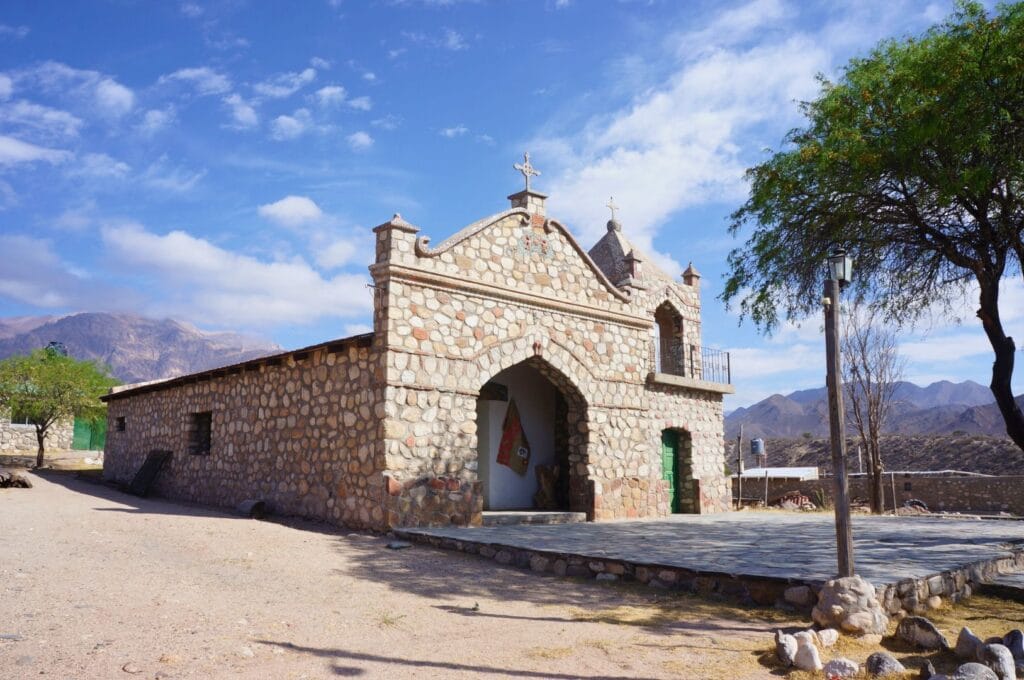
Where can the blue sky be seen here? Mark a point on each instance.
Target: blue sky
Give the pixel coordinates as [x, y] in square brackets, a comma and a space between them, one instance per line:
[222, 162]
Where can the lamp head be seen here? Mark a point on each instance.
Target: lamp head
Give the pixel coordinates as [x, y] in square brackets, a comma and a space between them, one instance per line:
[840, 266]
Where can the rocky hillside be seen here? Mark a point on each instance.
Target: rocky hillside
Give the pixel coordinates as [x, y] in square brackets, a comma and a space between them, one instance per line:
[940, 408]
[136, 348]
[970, 453]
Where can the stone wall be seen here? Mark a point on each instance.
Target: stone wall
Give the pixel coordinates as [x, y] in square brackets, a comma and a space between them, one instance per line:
[22, 438]
[301, 431]
[985, 495]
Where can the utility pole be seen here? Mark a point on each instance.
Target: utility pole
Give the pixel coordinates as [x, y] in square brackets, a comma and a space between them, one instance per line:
[837, 423]
[739, 469]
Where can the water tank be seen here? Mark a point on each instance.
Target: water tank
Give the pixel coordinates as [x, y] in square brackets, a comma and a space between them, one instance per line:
[757, 447]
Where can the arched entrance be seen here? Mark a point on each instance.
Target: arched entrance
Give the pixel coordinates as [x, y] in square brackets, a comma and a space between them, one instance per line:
[540, 401]
[677, 470]
[668, 341]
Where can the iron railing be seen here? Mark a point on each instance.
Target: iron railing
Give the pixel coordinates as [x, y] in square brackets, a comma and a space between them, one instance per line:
[691, 361]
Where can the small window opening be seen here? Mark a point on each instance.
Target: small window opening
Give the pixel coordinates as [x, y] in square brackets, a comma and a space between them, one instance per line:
[119, 424]
[200, 430]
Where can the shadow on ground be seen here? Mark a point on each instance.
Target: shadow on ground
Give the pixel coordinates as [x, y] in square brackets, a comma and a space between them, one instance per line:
[339, 656]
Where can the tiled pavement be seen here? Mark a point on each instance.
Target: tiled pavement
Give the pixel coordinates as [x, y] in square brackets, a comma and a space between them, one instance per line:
[781, 545]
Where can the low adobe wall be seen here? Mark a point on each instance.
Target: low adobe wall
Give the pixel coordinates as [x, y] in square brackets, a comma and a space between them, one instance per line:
[984, 495]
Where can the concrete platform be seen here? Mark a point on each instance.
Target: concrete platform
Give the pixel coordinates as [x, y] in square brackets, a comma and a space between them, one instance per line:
[757, 554]
[497, 518]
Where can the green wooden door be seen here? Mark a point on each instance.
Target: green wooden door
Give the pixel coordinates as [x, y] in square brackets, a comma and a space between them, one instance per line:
[670, 466]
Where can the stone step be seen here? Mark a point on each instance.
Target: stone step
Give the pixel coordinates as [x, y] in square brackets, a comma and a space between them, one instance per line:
[495, 518]
[1009, 586]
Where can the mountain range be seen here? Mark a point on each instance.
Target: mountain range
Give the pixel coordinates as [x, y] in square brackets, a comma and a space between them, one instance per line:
[940, 408]
[135, 348]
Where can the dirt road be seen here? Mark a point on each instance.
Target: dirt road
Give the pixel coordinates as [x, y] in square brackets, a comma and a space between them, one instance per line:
[98, 584]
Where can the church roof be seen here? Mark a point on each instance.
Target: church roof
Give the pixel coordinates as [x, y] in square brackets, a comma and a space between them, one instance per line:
[361, 340]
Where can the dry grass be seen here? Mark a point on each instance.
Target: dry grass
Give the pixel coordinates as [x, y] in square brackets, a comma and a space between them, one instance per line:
[550, 653]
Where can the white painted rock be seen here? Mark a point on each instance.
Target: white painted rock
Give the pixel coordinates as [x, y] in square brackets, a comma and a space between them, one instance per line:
[785, 648]
[828, 637]
[850, 604]
[807, 657]
[841, 668]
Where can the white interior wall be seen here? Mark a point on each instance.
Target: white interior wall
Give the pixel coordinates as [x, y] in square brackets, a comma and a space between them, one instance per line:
[535, 398]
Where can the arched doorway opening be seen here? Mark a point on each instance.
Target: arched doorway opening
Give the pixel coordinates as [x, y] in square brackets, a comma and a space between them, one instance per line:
[533, 399]
[669, 351]
[677, 470]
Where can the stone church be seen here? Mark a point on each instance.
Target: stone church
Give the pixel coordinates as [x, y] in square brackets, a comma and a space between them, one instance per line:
[508, 369]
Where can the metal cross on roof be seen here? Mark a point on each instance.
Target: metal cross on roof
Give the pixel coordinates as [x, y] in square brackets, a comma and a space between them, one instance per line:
[527, 169]
[611, 206]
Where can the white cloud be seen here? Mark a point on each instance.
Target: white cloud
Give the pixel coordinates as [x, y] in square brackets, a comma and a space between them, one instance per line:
[290, 127]
[351, 329]
[359, 141]
[113, 98]
[92, 89]
[162, 176]
[292, 211]
[370, 77]
[320, 63]
[191, 9]
[388, 122]
[33, 273]
[156, 120]
[485, 139]
[8, 197]
[243, 114]
[205, 80]
[677, 146]
[39, 121]
[452, 132]
[335, 255]
[453, 40]
[360, 103]
[448, 39]
[331, 95]
[102, 166]
[207, 283]
[14, 151]
[6, 86]
[13, 31]
[285, 84]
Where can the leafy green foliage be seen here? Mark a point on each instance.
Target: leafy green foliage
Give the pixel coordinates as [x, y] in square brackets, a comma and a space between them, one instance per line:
[46, 387]
[913, 162]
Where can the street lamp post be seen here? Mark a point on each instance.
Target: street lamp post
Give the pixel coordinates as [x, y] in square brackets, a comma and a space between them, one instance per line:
[840, 266]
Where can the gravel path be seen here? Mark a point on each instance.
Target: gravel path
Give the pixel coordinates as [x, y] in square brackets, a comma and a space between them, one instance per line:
[98, 584]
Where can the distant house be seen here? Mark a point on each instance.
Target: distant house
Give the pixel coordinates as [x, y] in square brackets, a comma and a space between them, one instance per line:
[617, 405]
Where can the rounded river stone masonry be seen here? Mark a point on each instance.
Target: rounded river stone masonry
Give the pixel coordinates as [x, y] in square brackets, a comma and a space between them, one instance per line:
[381, 430]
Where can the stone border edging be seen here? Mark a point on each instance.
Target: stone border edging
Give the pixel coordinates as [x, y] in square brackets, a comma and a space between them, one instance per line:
[911, 595]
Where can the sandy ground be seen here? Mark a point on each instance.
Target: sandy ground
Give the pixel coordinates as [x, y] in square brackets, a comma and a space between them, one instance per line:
[98, 584]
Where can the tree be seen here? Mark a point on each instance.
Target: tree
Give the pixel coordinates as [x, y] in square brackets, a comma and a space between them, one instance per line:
[46, 387]
[914, 163]
[872, 366]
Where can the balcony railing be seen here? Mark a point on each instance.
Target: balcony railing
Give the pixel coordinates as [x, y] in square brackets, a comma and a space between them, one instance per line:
[691, 361]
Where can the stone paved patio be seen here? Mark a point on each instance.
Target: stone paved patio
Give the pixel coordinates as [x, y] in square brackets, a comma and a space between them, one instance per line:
[791, 547]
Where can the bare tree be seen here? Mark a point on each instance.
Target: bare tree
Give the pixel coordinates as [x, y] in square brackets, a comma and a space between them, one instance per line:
[872, 366]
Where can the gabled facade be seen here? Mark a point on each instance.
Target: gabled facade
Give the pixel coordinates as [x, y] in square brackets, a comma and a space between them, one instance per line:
[619, 408]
